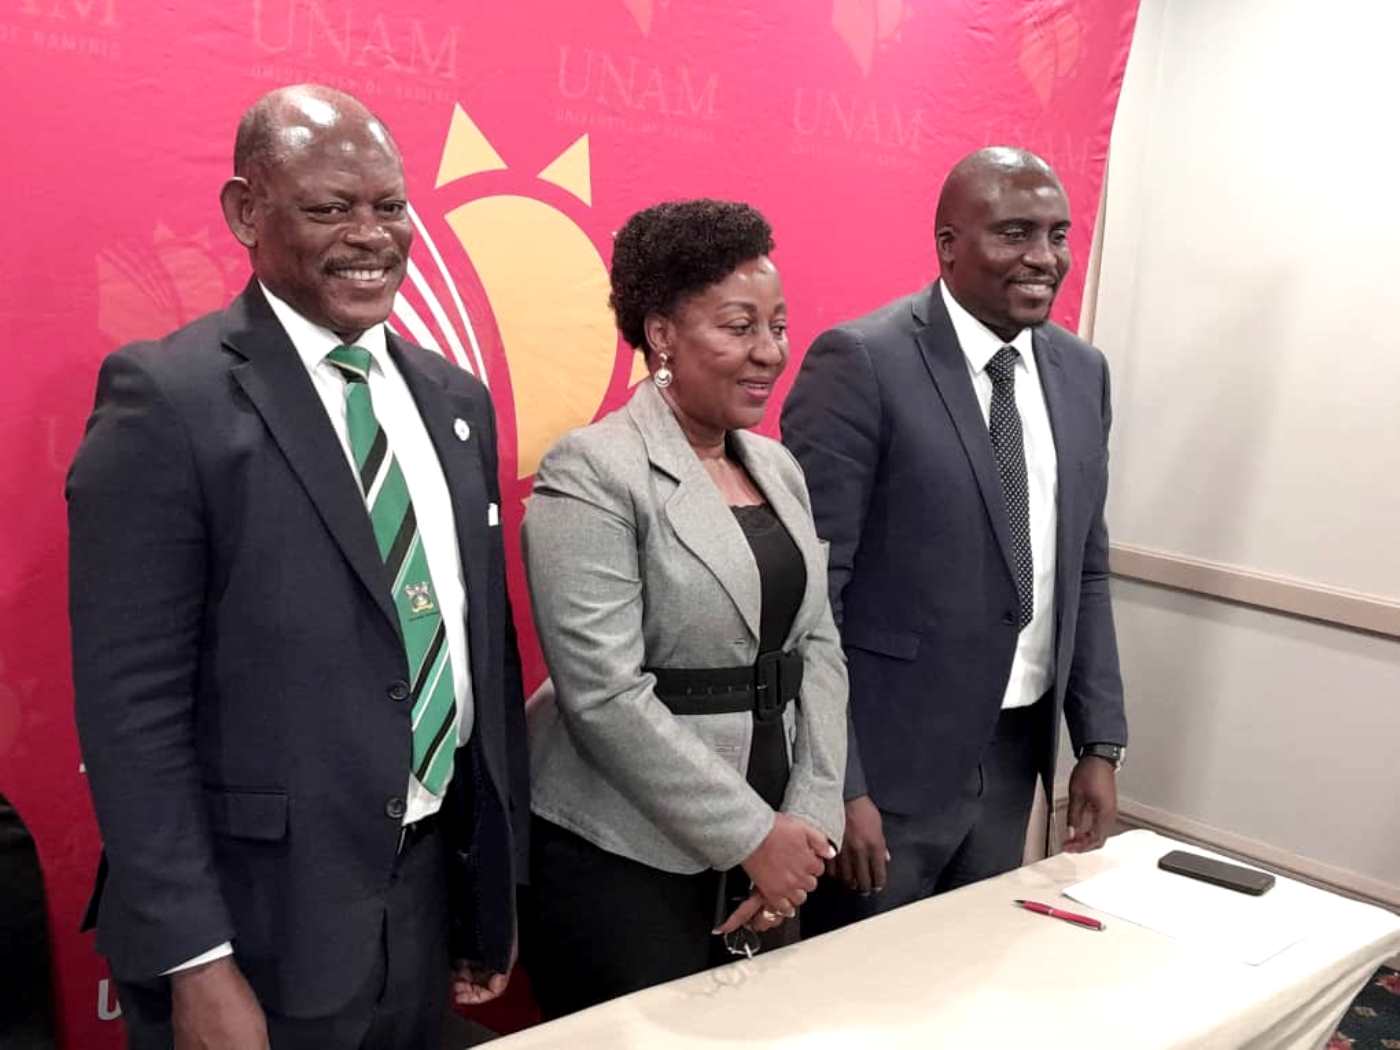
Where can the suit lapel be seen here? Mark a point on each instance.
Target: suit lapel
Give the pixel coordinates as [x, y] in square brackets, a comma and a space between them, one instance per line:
[447, 415]
[696, 511]
[464, 471]
[762, 466]
[1053, 387]
[946, 363]
[277, 383]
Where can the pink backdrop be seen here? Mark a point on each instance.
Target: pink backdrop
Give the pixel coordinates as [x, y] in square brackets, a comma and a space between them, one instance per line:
[837, 118]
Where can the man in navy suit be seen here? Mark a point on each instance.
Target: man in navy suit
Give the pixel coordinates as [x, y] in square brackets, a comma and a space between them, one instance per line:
[298, 691]
[956, 447]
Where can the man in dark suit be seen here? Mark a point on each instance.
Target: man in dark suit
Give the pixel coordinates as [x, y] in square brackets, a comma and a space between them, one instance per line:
[955, 443]
[298, 690]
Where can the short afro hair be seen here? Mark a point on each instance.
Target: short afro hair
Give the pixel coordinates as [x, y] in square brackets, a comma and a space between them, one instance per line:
[673, 250]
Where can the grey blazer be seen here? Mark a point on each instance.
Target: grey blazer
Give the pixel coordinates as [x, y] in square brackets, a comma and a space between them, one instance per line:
[634, 560]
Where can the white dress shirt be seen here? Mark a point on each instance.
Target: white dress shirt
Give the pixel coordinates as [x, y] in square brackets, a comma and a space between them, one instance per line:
[408, 440]
[1033, 666]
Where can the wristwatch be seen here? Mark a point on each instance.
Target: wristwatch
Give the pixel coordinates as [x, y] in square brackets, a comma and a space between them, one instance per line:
[1111, 752]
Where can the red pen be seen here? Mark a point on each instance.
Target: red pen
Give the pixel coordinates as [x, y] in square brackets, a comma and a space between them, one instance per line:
[1055, 913]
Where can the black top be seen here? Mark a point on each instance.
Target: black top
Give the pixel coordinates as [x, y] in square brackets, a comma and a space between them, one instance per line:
[783, 580]
[780, 570]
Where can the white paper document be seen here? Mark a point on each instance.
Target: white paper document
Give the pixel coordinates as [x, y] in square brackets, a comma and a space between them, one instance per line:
[1224, 922]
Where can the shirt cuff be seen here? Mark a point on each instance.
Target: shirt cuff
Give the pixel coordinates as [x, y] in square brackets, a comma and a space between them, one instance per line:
[199, 960]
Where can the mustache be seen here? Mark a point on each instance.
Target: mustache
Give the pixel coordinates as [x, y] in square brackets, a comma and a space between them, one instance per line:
[383, 262]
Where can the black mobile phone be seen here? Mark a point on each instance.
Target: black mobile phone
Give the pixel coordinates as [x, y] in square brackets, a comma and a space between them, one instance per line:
[1216, 872]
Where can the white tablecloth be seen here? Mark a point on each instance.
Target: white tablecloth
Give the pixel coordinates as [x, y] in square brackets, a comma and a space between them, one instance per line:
[970, 970]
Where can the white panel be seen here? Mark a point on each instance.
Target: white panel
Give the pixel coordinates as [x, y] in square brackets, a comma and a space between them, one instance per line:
[1248, 301]
[1280, 729]
[1249, 290]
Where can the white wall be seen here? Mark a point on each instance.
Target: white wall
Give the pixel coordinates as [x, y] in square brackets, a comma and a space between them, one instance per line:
[1268, 727]
[1249, 303]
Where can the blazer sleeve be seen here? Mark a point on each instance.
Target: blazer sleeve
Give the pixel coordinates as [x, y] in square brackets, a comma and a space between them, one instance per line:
[832, 422]
[137, 582]
[581, 541]
[1094, 693]
[517, 747]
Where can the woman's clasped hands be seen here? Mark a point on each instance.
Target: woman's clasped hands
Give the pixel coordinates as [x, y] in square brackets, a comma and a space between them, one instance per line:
[784, 869]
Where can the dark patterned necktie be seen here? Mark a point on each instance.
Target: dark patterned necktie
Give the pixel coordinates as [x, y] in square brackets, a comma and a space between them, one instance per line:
[415, 598]
[1004, 422]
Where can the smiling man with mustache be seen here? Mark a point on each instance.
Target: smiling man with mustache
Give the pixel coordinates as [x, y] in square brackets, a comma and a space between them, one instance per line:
[298, 690]
[956, 446]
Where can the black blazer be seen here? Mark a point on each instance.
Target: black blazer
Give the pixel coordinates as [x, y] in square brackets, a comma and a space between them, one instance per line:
[238, 667]
[885, 421]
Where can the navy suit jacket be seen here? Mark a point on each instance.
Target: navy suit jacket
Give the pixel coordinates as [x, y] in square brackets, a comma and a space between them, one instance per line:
[885, 422]
[239, 671]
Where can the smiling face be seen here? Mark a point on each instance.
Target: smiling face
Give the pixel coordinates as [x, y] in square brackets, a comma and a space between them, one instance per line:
[1003, 247]
[727, 346]
[325, 217]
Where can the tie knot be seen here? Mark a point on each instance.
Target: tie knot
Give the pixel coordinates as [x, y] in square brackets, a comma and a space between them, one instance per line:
[1002, 366]
[352, 361]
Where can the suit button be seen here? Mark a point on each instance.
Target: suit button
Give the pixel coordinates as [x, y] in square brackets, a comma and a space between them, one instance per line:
[395, 808]
[398, 690]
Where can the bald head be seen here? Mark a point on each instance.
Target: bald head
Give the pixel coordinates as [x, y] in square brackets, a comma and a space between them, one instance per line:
[290, 118]
[1002, 232]
[318, 199]
[983, 172]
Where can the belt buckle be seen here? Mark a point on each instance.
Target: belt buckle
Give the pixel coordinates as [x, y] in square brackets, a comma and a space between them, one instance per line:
[767, 687]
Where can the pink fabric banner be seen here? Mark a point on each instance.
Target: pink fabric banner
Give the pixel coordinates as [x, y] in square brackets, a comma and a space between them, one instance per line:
[530, 129]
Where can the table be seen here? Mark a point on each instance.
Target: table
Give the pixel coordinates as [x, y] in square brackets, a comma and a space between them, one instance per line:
[970, 970]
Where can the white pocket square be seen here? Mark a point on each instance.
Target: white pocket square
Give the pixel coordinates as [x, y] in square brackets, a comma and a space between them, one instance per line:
[493, 514]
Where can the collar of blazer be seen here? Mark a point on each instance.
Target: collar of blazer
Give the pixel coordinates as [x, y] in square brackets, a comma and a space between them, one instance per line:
[707, 527]
[276, 382]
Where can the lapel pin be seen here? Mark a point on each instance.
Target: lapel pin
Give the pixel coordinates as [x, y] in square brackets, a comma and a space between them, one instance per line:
[460, 428]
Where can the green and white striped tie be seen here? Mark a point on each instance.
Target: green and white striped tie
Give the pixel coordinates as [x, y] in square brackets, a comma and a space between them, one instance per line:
[415, 598]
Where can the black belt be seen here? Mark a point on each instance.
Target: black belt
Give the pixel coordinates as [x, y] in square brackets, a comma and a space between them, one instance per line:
[765, 688]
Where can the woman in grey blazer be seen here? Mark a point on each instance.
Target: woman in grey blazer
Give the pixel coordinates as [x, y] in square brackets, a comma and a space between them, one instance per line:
[687, 771]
